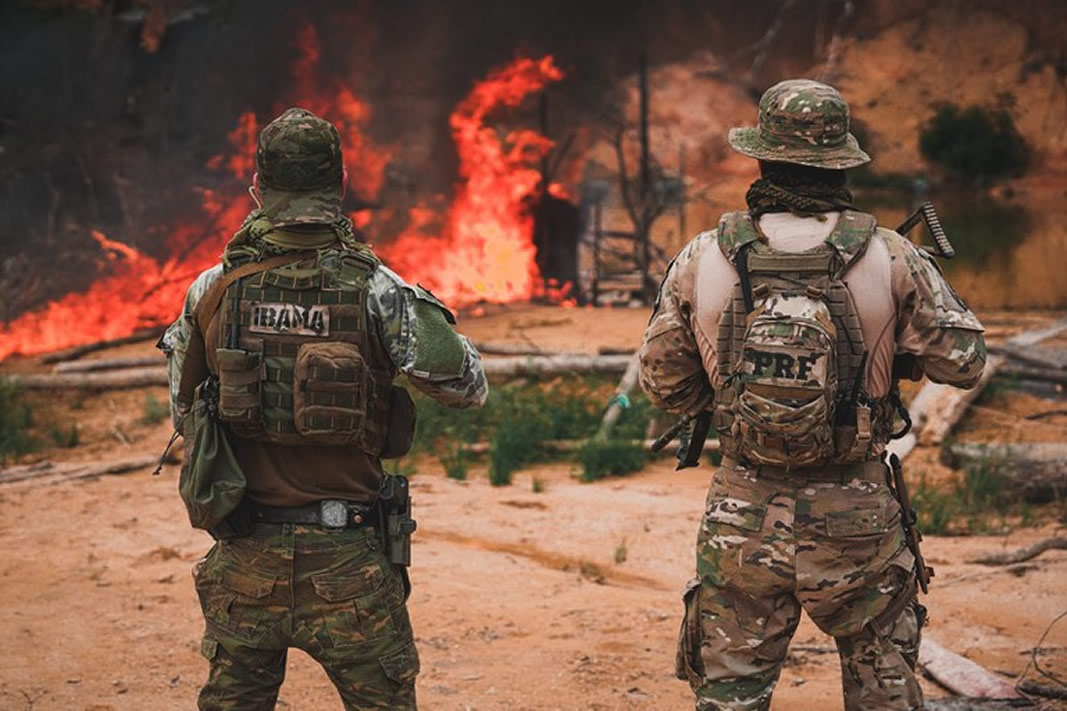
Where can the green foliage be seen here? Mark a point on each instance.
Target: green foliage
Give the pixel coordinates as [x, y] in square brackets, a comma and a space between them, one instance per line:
[154, 411]
[612, 457]
[935, 508]
[16, 417]
[977, 503]
[975, 144]
[454, 458]
[537, 485]
[65, 437]
[518, 418]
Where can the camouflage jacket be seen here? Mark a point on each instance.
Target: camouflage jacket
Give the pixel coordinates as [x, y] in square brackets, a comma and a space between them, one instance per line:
[926, 319]
[391, 308]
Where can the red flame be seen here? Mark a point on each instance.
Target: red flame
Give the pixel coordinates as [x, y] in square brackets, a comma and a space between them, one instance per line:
[485, 252]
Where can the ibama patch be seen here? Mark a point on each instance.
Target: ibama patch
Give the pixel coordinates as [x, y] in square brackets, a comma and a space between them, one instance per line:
[291, 319]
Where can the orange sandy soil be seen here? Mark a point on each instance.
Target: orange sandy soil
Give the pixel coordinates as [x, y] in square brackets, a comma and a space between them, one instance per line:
[518, 600]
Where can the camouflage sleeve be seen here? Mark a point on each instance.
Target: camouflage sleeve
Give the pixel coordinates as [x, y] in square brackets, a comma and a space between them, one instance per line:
[416, 330]
[672, 372]
[933, 322]
[175, 339]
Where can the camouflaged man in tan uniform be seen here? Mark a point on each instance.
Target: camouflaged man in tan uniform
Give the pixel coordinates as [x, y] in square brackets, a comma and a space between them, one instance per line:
[304, 356]
[798, 369]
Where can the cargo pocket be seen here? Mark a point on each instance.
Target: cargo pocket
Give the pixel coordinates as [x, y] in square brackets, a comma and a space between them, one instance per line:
[239, 385]
[330, 392]
[688, 665]
[358, 608]
[857, 523]
[209, 647]
[401, 666]
[235, 603]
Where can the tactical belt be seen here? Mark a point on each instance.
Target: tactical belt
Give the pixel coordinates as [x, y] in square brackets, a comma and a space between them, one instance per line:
[328, 513]
[871, 469]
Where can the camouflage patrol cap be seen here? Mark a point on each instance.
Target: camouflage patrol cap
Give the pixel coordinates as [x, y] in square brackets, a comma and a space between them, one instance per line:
[801, 121]
[298, 157]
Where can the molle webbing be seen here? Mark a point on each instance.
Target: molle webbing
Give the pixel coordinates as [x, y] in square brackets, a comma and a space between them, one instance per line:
[817, 272]
[353, 401]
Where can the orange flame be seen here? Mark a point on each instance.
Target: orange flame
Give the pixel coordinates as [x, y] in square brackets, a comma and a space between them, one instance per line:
[485, 252]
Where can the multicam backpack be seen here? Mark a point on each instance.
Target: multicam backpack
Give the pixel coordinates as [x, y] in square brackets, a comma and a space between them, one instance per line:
[790, 350]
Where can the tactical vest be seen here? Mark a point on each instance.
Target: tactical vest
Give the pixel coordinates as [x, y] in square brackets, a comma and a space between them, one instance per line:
[791, 358]
[296, 363]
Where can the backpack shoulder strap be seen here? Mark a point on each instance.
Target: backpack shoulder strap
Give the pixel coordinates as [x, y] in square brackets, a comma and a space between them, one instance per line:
[851, 237]
[209, 302]
[736, 231]
[195, 368]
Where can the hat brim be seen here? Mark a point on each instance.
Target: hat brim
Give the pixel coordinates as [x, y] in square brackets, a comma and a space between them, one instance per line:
[747, 141]
[290, 207]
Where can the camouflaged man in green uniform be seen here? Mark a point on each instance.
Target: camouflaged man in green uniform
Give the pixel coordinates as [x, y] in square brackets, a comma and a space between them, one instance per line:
[296, 360]
[789, 323]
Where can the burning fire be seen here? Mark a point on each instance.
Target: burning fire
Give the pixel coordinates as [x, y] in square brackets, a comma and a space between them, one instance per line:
[484, 253]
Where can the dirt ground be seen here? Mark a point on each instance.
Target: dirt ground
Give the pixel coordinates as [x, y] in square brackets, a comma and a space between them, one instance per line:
[564, 599]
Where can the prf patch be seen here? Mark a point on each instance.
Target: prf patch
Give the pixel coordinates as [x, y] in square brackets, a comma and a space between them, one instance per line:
[290, 319]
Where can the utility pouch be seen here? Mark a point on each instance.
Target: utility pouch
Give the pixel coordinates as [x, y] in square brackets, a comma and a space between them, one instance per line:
[400, 432]
[394, 503]
[239, 385]
[211, 484]
[330, 392]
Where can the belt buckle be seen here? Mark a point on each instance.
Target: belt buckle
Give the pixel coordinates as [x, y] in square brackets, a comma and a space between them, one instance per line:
[333, 514]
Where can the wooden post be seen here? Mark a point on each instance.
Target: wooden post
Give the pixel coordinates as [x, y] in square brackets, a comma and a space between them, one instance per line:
[597, 236]
[644, 187]
[683, 230]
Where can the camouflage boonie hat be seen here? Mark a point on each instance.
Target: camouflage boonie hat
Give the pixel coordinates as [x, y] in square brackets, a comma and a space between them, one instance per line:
[300, 169]
[801, 121]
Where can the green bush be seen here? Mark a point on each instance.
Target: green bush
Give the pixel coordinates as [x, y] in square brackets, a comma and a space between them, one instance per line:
[16, 417]
[975, 144]
[518, 418]
[154, 411]
[65, 437]
[611, 457]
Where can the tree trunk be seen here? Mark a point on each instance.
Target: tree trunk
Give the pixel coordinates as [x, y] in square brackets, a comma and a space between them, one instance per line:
[962, 676]
[1035, 472]
[86, 366]
[554, 365]
[109, 380]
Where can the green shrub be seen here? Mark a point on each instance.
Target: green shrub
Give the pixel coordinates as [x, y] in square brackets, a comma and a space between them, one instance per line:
[154, 411]
[612, 457]
[975, 144]
[16, 417]
[65, 437]
[537, 485]
[454, 459]
[935, 508]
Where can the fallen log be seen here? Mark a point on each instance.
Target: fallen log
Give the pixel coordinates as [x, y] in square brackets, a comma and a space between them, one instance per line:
[87, 366]
[78, 471]
[108, 380]
[515, 349]
[145, 334]
[573, 445]
[1035, 472]
[962, 676]
[1029, 356]
[1021, 554]
[965, 704]
[554, 365]
[1023, 372]
[936, 408]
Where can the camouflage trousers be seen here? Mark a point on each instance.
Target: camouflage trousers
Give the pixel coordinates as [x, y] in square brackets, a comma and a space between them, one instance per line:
[770, 547]
[333, 595]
